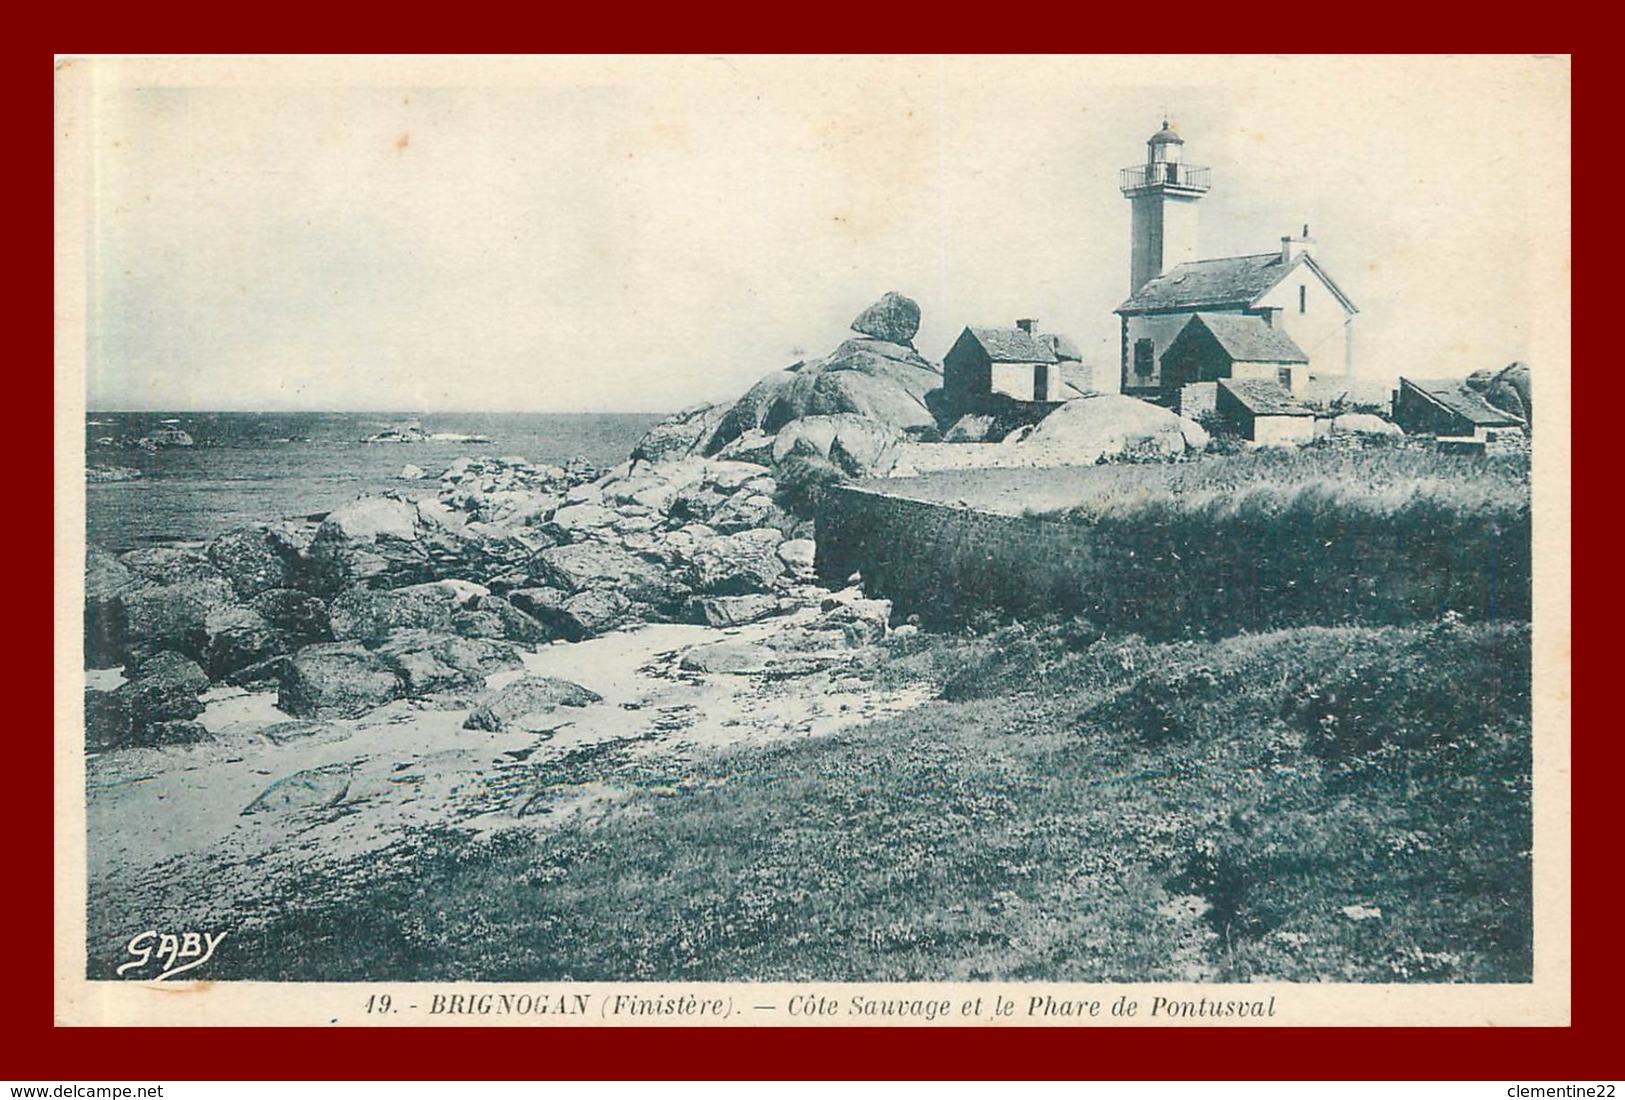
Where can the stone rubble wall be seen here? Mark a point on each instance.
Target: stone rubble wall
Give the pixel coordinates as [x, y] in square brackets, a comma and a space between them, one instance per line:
[1162, 579]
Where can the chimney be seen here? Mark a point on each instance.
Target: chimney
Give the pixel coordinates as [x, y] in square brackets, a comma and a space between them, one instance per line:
[1029, 325]
[1293, 247]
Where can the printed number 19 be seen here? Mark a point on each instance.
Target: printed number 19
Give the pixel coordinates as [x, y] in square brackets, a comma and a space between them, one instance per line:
[378, 1002]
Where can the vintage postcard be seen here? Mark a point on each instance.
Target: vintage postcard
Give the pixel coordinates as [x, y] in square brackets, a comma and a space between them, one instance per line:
[718, 541]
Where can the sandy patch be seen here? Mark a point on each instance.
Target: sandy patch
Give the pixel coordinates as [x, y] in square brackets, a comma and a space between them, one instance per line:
[157, 813]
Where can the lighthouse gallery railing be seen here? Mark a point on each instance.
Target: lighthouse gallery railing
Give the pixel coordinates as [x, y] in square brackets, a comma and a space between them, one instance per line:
[1191, 177]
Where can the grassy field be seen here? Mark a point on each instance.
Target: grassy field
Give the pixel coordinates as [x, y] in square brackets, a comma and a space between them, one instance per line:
[1406, 482]
[1344, 804]
[1389, 533]
[1382, 478]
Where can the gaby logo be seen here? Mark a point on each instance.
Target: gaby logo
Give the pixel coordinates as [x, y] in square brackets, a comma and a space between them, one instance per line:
[177, 953]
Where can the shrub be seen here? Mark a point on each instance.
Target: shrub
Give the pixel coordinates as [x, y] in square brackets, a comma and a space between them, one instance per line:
[802, 481]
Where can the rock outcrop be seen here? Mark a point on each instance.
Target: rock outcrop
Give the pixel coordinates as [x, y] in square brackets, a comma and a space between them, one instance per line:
[238, 639]
[972, 428]
[681, 434]
[727, 657]
[404, 596]
[107, 719]
[173, 617]
[250, 560]
[894, 318]
[478, 528]
[528, 696]
[496, 617]
[590, 613]
[814, 423]
[581, 566]
[158, 707]
[164, 438]
[1363, 424]
[858, 446]
[737, 564]
[336, 680]
[106, 581]
[1092, 428]
[509, 490]
[1507, 389]
[301, 617]
[315, 788]
[169, 565]
[427, 663]
[874, 379]
[409, 433]
[368, 538]
[166, 687]
[101, 473]
[1081, 432]
[876, 376]
[726, 611]
[373, 614]
[798, 556]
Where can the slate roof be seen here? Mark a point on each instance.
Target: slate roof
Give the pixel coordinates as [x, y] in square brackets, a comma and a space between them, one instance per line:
[1263, 398]
[1232, 281]
[1248, 339]
[1455, 395]
[1063, 346]
[1011, 345]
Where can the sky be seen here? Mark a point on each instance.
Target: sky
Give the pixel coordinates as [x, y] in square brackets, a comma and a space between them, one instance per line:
[642, 234]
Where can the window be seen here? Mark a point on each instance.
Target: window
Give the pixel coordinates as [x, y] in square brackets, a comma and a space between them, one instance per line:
[1283, 375]
[1143, 358]
[1303, 298]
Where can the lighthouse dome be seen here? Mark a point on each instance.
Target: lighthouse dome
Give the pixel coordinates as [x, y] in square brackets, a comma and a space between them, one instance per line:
[1166, 136]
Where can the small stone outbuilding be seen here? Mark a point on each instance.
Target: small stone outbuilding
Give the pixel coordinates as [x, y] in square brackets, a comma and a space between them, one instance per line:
[1450, 409]
[1019, 362]
[1264, 412]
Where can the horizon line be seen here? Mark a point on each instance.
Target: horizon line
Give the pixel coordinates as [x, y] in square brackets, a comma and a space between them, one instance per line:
[396, 412]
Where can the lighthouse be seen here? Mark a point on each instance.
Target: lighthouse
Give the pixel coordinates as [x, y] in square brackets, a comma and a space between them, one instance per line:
[1272, 316]
[1164, 192]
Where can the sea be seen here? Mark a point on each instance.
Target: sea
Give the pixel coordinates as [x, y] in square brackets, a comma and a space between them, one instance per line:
[251, 467]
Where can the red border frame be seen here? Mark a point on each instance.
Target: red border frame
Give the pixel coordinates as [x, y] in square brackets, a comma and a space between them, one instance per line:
[36, 1049]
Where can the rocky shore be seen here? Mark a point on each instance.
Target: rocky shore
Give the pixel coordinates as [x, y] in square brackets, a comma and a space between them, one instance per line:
[388, 598]
[295, 693]
[404, 596]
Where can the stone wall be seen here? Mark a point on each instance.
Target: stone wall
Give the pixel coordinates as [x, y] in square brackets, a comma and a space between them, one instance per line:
[1198, 400]
[1167, 577]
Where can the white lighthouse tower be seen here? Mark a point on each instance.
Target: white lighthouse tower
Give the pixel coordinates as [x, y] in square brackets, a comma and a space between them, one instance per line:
[1164, 191]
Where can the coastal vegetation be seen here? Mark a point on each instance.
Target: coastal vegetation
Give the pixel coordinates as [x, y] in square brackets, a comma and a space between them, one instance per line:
[1406, 482]
[1347, 804]
[1361, 532]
